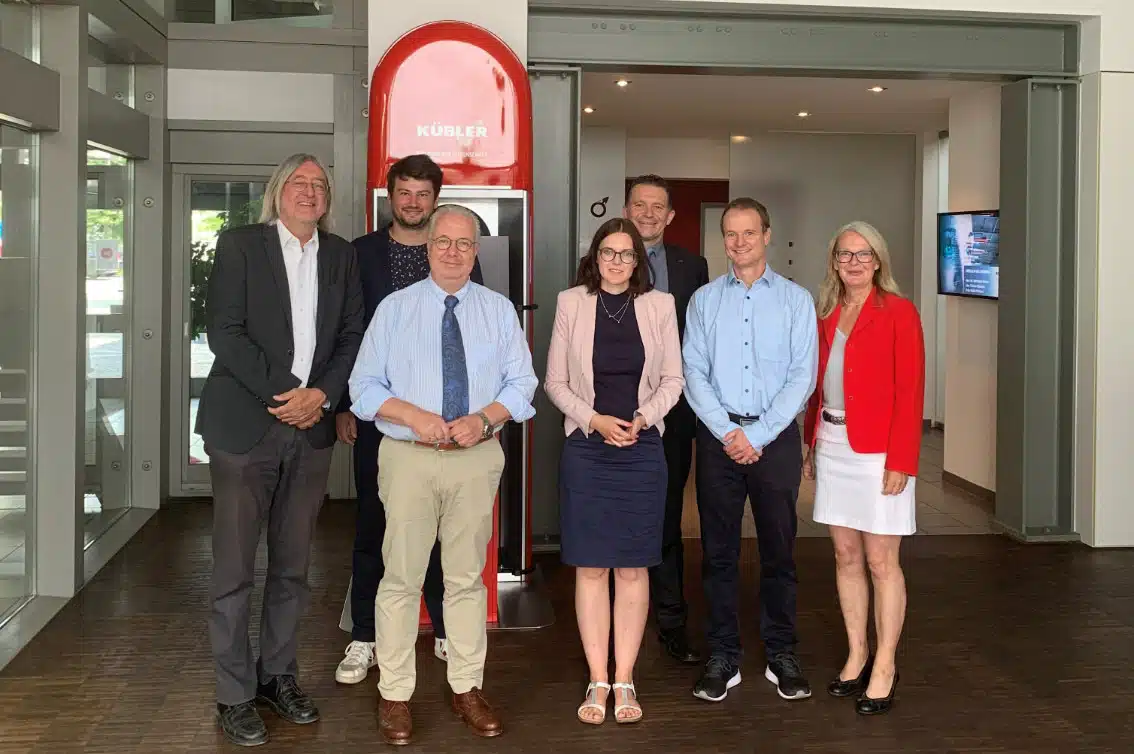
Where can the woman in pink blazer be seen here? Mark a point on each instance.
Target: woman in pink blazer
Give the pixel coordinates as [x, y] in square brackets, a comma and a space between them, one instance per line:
[614, 370]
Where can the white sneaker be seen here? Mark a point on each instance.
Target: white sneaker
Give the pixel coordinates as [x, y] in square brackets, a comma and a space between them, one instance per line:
[441, 649]
[360, 657]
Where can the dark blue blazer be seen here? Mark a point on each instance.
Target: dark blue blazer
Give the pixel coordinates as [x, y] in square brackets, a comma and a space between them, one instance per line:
[373, 252]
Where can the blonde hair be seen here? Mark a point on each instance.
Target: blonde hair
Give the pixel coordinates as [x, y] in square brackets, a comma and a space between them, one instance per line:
[273, 192]
[832, 290]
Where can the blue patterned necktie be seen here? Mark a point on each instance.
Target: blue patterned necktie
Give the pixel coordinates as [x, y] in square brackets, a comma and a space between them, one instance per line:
[454, 374]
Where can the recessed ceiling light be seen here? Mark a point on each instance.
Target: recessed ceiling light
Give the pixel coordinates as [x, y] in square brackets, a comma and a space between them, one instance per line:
[588, 110]
[804, 114]
[877, 89]
[622, 83]
[739, 139]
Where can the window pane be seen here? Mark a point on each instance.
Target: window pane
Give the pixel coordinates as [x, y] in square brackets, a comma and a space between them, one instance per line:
[18, 174]
[109, 184]
[310, 13]
[213, 206]
[17, 30]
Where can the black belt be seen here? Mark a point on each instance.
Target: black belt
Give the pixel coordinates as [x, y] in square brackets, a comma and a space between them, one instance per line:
[832, 419]
[743, 421]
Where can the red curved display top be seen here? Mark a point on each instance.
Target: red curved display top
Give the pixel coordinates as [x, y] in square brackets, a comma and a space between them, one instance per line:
[455, 92]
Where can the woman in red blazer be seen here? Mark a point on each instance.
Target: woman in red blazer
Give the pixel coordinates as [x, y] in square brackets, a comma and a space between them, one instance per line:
[863, 432]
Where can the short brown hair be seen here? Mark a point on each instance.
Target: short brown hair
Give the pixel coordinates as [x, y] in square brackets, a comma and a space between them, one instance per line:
[589, 275]
[747, 203]
[648, 180]
[415, 167]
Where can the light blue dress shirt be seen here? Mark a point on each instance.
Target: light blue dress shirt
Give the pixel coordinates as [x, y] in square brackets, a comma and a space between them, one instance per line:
[750, 351]
[400, 355]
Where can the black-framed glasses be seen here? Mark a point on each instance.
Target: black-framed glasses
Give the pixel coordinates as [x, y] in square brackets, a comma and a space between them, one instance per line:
[865, 257]
[444, 242]
[627, 256]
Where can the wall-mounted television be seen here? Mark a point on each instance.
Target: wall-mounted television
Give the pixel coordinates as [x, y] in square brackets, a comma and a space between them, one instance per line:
[968, 254]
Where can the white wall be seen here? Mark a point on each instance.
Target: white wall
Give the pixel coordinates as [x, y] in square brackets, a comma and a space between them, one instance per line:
[250, 96]
[932, 198]
[691, 159]
[970, 331]
[814, 183]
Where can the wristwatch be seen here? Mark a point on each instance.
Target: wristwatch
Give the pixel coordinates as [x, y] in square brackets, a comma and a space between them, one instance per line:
[487, 433]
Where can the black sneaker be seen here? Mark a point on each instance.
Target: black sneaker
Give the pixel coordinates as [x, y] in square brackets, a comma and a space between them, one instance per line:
[287, 700]
[784, 671]
[720, 675]
[242, 724]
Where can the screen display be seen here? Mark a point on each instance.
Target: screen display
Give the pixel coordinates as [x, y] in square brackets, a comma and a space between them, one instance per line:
[968, 254]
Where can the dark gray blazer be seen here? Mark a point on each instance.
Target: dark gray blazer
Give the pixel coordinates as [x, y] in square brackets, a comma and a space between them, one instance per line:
[248, 317]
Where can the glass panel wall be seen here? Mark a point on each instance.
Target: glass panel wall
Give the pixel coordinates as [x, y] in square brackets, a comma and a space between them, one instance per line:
[106, 445]
[107, 71]
[18, 176]
[311, 13]
[17, 30]
[213, 206]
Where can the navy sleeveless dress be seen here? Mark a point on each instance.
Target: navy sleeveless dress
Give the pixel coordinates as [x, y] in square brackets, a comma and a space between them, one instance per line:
[612, 500]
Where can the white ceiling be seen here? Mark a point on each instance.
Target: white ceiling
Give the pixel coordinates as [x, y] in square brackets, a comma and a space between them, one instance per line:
[660, 104]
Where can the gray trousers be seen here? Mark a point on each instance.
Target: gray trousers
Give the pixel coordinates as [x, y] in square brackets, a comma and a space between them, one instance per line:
[282, 482]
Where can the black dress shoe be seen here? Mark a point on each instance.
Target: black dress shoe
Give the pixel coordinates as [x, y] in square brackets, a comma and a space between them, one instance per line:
[677, 646]
[241, 724]
[839, 687]
[868, 706]
[287, 700]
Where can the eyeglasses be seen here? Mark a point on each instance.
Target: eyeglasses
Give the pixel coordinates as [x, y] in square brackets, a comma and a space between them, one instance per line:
[626, 256]
[444, 242]
[865, 257]
[302, 186]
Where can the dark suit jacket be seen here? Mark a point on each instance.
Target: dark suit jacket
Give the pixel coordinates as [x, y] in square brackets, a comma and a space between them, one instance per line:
[248, 316]
[687, 272]
[373, 251]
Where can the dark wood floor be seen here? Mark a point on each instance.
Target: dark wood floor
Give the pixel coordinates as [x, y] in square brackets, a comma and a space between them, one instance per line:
[1008, 648]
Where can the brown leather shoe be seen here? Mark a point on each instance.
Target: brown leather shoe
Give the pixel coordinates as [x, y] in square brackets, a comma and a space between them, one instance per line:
[394, 722]
[477, 713]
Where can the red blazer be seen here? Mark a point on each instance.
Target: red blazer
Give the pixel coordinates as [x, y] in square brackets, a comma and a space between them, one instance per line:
[883, 380]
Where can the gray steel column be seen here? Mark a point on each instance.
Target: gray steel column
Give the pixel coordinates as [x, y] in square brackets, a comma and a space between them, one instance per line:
[555, 127]
[145, 296]
[1036, 361]
[61, 309]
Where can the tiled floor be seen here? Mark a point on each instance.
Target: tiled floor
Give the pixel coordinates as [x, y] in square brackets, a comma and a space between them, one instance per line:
[941, 507]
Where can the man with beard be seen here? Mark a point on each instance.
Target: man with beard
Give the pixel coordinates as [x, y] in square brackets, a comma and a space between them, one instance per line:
[389, 259]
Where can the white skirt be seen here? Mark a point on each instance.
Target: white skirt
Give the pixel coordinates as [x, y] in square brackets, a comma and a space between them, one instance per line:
[848, 486]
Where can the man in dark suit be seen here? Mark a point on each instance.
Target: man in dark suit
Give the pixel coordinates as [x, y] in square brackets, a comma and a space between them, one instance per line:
[389, 259]
[284, 316]
[680, 273]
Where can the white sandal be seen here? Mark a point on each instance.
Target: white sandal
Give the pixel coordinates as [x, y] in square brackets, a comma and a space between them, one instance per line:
[633, 695]
[590, 701]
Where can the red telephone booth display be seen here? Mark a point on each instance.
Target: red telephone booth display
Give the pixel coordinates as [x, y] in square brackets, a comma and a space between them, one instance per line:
[457, 93]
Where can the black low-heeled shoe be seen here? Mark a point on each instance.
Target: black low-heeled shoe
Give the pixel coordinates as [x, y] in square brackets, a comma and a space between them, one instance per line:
[841, 688]
[868, 706]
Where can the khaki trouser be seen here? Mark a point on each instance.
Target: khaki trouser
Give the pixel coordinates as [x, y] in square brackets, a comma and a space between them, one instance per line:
[428, 494]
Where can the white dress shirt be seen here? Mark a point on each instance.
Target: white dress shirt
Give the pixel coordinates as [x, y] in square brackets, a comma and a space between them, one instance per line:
[300, 260]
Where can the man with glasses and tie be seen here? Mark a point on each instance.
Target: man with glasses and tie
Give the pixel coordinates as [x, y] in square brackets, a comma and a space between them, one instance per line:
[680, 273]
[443, 365]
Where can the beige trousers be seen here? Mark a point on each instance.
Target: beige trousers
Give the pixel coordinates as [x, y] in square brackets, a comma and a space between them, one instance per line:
[428, 494]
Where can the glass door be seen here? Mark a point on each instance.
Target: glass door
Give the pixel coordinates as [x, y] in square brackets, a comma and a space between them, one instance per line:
[213, 205]
[106, 444]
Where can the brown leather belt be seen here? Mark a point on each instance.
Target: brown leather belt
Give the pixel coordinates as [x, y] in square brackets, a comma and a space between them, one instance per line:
[450, 445]
[832, 419]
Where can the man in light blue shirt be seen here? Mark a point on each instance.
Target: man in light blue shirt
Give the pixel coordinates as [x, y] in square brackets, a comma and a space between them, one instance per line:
[443, 365]
[751, 358]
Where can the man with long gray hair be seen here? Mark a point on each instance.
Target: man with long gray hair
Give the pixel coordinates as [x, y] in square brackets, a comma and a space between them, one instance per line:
[285, 320]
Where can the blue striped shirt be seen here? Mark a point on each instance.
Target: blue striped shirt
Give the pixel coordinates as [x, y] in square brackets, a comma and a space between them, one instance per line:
[400, 355]
[750, 351]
